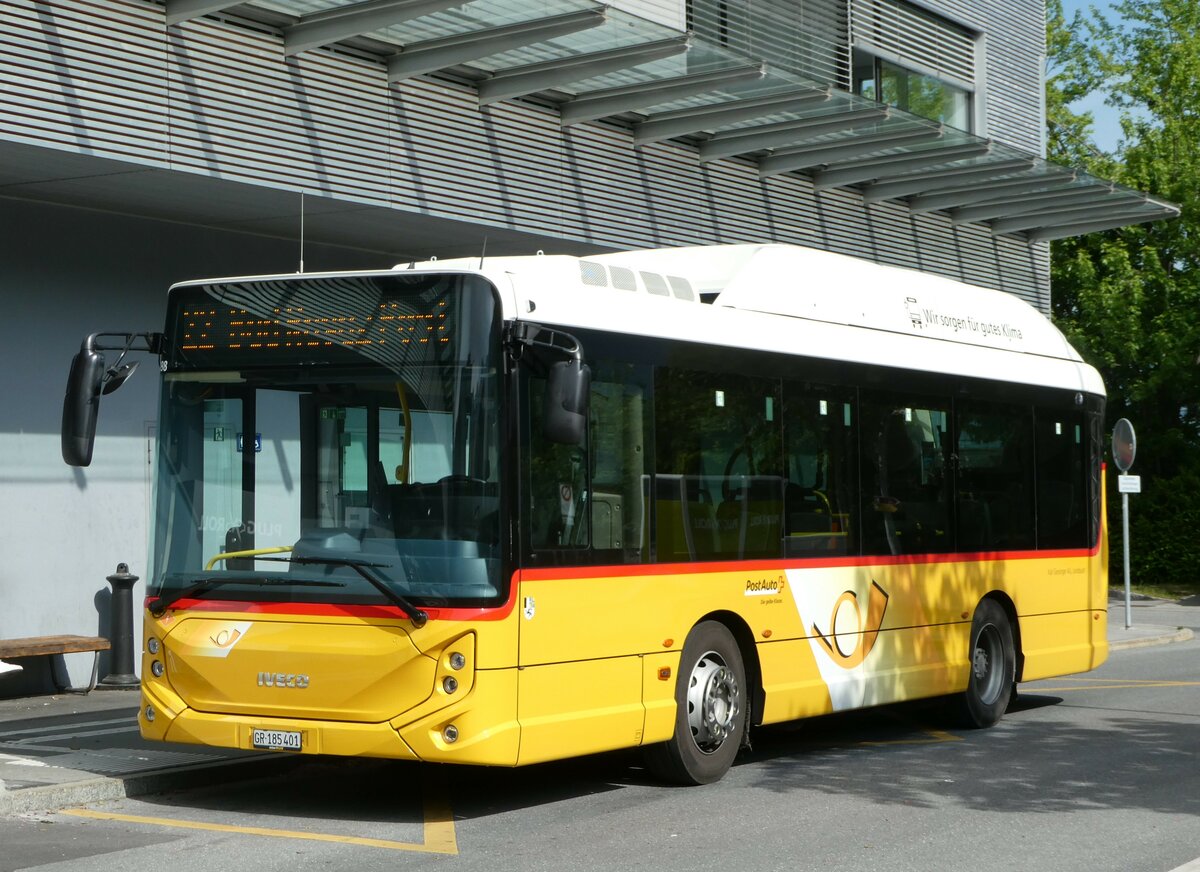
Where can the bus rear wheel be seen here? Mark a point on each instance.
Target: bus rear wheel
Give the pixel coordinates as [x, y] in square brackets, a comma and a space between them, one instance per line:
[710, 709]
[992, 672]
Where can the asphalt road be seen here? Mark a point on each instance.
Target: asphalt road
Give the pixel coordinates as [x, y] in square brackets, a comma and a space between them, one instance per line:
[1096, 772]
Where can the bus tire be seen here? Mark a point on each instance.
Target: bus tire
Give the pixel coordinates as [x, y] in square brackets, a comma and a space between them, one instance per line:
[991, 669]
[710, 709]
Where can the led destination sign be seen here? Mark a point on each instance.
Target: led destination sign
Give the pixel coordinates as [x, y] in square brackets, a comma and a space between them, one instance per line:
[389, 319]
[207, 328]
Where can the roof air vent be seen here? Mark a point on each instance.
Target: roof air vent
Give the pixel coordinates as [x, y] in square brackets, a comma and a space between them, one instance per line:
[623, 279]
[592, 273]
[655, 284]
[682, 288]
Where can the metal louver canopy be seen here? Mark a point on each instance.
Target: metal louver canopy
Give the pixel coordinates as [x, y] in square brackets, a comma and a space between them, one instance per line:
[668, 125]
[933, 183]
[832, 152]
[552, 74]
[1078, 228]
[946, 156]
[614, 101]
[438, 54]
[1040, 201]
[724, 100]
[183, 10]
[948, 188]
[1056, 217]
[330, 26]
[762, 136]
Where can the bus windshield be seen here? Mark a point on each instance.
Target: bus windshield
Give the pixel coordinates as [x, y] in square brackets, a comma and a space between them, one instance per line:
[314, 427]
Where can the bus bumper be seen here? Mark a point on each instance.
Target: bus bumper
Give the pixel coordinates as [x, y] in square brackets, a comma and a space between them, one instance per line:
[479, 729]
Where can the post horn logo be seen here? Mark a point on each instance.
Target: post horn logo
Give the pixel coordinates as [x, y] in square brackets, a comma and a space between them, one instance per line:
[850, 638]
[225, 638]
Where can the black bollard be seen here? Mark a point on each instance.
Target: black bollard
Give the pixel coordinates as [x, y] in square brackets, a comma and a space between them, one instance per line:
[121, 631]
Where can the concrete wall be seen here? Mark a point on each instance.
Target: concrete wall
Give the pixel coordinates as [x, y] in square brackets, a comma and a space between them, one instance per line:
[65, 273]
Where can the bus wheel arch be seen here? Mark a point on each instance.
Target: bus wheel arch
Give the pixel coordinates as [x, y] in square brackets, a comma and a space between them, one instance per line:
[714, 695]
[1010, 609]
[744, 636]
[991, 663]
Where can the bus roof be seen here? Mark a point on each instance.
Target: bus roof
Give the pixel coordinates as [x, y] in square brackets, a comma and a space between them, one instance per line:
[795, 300]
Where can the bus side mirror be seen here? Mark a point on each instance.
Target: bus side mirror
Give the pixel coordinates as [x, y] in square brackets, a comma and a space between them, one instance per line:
[81, 405]
[567, 385]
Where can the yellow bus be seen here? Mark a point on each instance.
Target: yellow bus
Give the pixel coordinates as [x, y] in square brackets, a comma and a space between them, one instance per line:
[520, 509]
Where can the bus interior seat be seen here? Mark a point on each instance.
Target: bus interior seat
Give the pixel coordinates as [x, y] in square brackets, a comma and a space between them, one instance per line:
[750, 516]
[686, 518]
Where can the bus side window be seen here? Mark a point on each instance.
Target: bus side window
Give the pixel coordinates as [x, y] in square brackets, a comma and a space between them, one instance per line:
[618, 437]
[718, 466]
[593, 498]
[995, 477]
[1061, 479]
[819, 451]
[557, 483]
[906, 477]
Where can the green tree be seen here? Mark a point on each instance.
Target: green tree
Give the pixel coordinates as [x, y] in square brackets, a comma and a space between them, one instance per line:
[1129, 299]
[1073, 71]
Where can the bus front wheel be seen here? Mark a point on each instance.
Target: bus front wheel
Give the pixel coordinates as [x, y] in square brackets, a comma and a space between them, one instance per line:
[992, 667]
[710, 709]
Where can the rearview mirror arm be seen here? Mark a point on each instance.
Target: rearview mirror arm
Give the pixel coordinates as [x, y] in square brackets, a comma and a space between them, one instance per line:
[526, 334]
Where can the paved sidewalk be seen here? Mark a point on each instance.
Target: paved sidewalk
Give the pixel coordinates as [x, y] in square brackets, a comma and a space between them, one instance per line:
[1154, 621]
[73, 749]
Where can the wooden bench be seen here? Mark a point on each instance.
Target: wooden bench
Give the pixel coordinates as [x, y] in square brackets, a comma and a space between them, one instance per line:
[43, 646]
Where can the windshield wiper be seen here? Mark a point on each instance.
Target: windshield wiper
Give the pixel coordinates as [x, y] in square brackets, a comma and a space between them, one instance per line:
[204, 585]
[417, 615]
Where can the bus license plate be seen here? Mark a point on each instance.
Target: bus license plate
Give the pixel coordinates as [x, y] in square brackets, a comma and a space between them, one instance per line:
[275, 740]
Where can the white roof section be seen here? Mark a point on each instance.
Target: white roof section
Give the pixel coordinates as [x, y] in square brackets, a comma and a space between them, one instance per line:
[794, 300]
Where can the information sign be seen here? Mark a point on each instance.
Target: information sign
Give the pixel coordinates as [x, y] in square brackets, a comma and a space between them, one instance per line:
[1129, 484]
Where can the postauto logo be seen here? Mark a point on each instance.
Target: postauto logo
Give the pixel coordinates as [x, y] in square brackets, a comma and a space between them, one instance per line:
[851, 635]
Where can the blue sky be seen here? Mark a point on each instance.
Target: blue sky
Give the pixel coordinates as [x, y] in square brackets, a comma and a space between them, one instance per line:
[1106, 129]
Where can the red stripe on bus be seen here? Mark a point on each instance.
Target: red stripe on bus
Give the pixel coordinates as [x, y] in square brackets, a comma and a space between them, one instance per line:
[335, 610]
[579, 572]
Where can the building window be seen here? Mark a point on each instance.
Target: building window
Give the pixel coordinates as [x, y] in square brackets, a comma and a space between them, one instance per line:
[909, 58]
[918, 93]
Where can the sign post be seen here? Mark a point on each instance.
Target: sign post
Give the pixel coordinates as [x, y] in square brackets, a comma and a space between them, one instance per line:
[1124, 449]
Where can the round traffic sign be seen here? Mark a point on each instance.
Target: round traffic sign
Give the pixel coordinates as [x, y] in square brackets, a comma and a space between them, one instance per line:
[1124, 444]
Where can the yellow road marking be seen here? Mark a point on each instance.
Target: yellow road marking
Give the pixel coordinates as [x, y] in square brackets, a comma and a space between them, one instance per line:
[935, 737]
[440, 837]
[1127, 680]
[439, 832]
[1123, 685]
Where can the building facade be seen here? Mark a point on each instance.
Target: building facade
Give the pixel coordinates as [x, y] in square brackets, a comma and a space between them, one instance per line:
[143, 143]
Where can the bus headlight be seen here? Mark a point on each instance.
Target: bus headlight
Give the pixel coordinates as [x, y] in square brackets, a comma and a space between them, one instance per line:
[157, 668]
[152, 645]
[449, 684]
[457, 661]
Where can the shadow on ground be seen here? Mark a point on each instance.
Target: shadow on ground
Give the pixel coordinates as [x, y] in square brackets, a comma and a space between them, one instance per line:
[899, 755]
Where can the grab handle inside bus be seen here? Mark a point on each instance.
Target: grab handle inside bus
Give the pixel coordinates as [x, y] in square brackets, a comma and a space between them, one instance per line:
[88, 380]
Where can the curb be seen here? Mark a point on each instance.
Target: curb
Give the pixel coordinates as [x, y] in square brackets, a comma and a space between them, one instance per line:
[52, 797]
[1182, 634]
